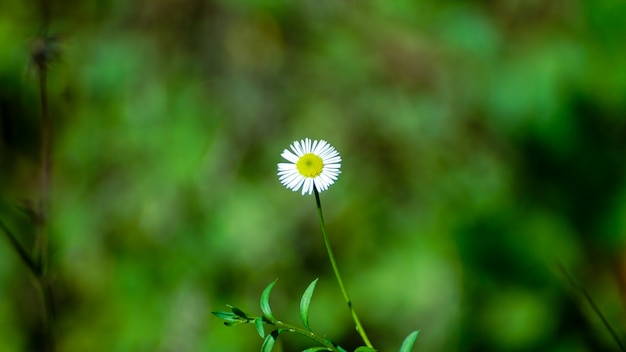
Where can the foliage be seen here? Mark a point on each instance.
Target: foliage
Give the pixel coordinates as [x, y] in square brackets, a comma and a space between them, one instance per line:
[237, 317]
[486, 144]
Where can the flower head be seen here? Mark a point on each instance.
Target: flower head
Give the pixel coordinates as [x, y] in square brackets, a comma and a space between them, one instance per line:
[311, 164]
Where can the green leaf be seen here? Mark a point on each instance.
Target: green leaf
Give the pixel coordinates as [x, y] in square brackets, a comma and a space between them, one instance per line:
[226, 316]
[408, 343]
[270, 340]
[234, 322]
[316, 349]
[265, 302]
[365, 349]
[223, 315]
[341, 349]
[239, 313]
[258, 323]
[305, 302]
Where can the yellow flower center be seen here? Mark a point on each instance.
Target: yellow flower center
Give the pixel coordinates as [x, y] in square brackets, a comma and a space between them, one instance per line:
[310, 165]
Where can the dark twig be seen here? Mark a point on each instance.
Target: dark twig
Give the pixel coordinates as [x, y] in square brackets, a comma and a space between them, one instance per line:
[44, 50]
[20, 250]
[578, 287]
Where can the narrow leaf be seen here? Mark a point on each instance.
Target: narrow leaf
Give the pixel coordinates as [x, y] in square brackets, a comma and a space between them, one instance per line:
[341, 349]
[265, 302]
[408, 343]
[270, 340]
[317, 349]
[239, 312]
[234, 322]
[365, 349]
[226, 315]
[30, 263]
[260, 328]
[223, 315]
[268, 344]
[305, 302]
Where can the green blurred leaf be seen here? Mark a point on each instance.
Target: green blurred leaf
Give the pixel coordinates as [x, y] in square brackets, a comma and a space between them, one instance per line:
[260, 328]
[234, 323]
[239, 313]
[408, 343]
[365, 349]
[335, 345]
[315, 349]
[270, 340]
[265, 302]
[266, 320]
[305, 303]
[226, 316]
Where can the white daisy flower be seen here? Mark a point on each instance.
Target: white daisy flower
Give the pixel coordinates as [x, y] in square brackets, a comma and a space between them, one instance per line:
[311, 164]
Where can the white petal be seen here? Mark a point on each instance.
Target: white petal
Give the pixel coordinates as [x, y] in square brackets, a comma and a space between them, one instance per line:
[296, 149]
[318, 146]
[297, 183]
[314, 147]
[308, 186]
[289, 156]
[289, 179]
[286, 166]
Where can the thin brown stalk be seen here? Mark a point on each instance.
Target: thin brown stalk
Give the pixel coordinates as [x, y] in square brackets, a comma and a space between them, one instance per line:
[41, 55]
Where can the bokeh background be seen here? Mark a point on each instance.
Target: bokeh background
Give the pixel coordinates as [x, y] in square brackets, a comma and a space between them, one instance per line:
[484, 148]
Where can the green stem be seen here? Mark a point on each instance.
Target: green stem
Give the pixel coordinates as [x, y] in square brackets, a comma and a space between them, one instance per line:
[333, 263]
[311, 335]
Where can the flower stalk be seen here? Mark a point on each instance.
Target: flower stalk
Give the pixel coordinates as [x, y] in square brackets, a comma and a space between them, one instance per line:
[333, 263]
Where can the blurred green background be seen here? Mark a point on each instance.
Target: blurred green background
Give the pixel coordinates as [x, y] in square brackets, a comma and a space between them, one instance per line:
[484, 147]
